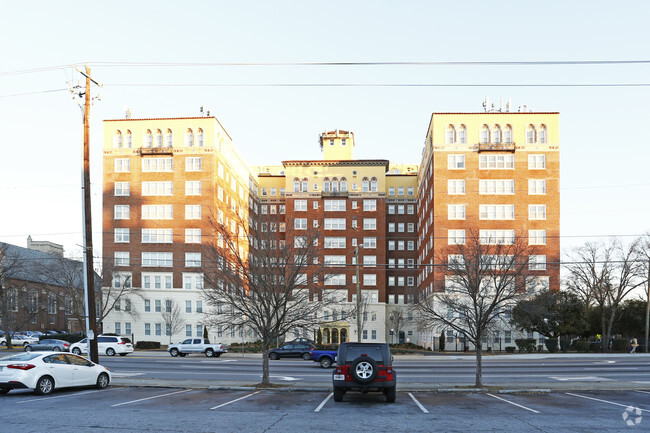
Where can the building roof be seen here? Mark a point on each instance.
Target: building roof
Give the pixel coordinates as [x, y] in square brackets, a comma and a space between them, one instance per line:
[170, 118]
[347, 162]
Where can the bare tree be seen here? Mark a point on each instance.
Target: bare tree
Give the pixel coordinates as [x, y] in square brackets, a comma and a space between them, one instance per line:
[645, 256]
[603, 275]
[476, 282]
[396, 320]
[116, 288]
[173, 318]
[256, 279]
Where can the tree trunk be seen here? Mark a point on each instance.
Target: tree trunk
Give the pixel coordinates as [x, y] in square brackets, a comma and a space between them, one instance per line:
[266, 380]
[603, 325]
[479, 365]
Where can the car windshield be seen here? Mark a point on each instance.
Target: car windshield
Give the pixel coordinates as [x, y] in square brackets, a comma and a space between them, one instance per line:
[353, 352]
[27, 356]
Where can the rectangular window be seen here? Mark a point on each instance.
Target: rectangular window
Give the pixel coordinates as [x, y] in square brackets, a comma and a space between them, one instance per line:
[192, 211]
[157, 212]
[300, 205]
[400, 190]
[188, 306]
[496, 237]
[497, 211]
[121, 212]
[334, 205]
[370, 223]
[456, 211]
[391, 190]
[411, 227]
[193, 163]
[370, 205]
[369, 279]
[192, 281]
[537, 237]
[391, 245]
[193, 187]
[118, 328]
[537, 263]
[199, 306]
[147, 305]
[300, 224]
[334, 224]
[157, 188]
[410, 245]
[456, 162]
[335, 280]
[147, 329]
[192, 236]
[536, 162]
[370, 261]
[391, 209]
[188, 330]
[536, 284]
[150, 165]
[335, 242]
[122, 189]
[536, 211]
[192, 260]
[456, 237]
[122, 165]
[157, 259]
[121, 258]
[411, 209]
[491, 162]
[496, 186]
[411, 191]
[400, 209]
[157, 236]
[373, 334]
[121, 236]
[456, 186]
[158, 329]
[334, 260]
[536, 186]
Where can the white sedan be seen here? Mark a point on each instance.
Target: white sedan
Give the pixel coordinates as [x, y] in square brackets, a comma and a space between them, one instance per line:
[44, 371]
[19, 340]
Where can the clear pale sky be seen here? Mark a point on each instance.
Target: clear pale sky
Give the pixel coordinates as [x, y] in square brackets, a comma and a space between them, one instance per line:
[605, 145]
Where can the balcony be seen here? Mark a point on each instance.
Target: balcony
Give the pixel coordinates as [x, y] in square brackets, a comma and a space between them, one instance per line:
[334, 194]
[496, 147]
[156, 151]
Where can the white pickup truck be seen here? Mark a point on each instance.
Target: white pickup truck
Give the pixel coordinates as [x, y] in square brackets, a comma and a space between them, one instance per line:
[197, 345]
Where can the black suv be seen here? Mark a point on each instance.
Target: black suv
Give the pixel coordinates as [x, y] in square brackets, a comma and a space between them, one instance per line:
[298, 350]
[364, 367]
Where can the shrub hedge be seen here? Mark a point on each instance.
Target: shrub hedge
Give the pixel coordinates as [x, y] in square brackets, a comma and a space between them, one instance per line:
[527, 345]
[147, 345]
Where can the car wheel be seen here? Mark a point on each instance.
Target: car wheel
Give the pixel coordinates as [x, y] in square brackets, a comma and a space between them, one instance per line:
[325, 362]
[28, 348]
[110, 351]
[217, 354]
[390, 395]
[4, 390]
[338, 394]
[56, 349]
[173, 352]
[274, 356]
[306, 356]
[102, 381]
[209, 353]
[364, 369]
[76, 351]
[123, 354]
[45, 385]
[25, 344]
[182, 355]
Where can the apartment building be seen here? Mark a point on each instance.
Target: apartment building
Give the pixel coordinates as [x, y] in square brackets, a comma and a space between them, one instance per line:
[495, 174]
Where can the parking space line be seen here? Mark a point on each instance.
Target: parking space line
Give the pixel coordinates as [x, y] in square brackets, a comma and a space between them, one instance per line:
[56, 396]
[235, 400]
[320, 406]
[151, 398]
[512, 403]
[608, 402]
[418, 403]
[642, 392]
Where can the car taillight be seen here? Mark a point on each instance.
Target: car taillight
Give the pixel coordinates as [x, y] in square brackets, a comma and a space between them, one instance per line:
[21, 366]
[121, 342]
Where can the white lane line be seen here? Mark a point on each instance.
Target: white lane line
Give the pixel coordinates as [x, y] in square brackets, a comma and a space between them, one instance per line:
[608, 402]
[57, 396]
[320, 406]
[418, 403]
[151, 398]
[643, 392]
[233, 401]
[512, 403]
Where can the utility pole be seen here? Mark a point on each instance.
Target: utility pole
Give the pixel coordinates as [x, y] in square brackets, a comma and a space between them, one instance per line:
[356, 256]
[647, 309]
[89, 274]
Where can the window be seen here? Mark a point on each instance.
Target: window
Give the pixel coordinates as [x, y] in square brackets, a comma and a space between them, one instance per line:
[507, 134]
[370, 223]
[157, 236]
[369, 279]
[300, 205]
[192, 236]
[370, 205]
[400, 245]
[122, 165]
[536, 211]
[192, 211]
[193, 163]
[122, 189]
[370, 261]
[536, 162]
[530, 134]
[153, 165]
[159, 138]
[121, 212]
[541, 136]
[400, 209]
[411, 227]
[121, 258]
[334, 205]
[192, 281]
[157, 188]
[411, 209]
[484, 134]
[391, 209]
[450, 136]
[199, 137]
[455, 186]
[192, 260]
[147, 306]
[157, 259]
[456, 237]
[335, 242]
[193, 187]
[148, 138]
[537, 263]
[456, 162]
[373, 184]
[536, 186]
[411, 191]
[456, 211]
[147, 329]
[537, 237]
[157, 212]
[391, 227]
[491, 162]
[496, 134]
[335, 280]
[157, 280]
[334, 223]
[189, 138]
[300, 224]
[400, 190]
[391, 190]
[169, 138]
[537, 284]
[121, 236]
[199, 308]
[410, 245]
[117, 139]
[334, 261]
[496, 237]
[497, 211]
[462, 134]
[496, 186]
[391, 245]
[188, 307]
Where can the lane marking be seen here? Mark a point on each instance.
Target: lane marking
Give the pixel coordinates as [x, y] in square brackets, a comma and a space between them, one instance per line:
[151, 398]
[235, 400]
[418, 403]
[512, 403]
[608, 402]
[642, 392]
[583, 378]
[320, 406]
[57, 396]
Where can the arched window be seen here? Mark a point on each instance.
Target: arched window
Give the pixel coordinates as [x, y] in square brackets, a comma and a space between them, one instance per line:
[507, 134]
[496, 134]
[344, 185]
[159, 138]
[117, 139]
[296, 184]
[335, 184]
[542, 136]
[148, 138]
[373, 184]
[199, 137]
[365, 184]
[169, 138]
[451, 134]
[32, 301]
[484, 134]
[531, 135]
[129, 139]
[189, 138]
[462, 134]
[305, 184]
[326, 184]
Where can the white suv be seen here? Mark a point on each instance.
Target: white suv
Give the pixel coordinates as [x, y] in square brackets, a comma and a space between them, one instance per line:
[106, 344]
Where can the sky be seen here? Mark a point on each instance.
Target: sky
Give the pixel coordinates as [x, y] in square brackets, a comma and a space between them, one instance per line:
[604, 140]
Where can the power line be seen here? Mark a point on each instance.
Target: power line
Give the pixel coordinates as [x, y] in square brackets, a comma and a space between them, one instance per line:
[11, 95]
[415, 85]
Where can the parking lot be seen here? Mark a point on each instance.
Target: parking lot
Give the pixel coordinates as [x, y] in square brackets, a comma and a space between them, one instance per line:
[183, 409]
